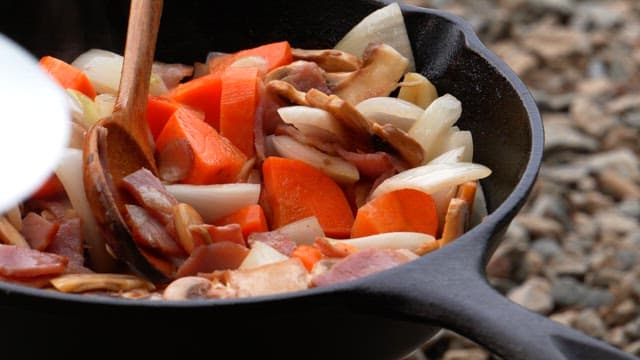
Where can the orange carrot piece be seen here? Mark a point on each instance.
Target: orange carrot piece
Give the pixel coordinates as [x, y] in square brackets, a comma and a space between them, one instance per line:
[467, 192]
[309, 255]
[202, 93]
[294, 190]
[50, 188]
[238, 101]
[67, 76]
[216, 160]
[159, 110]
[251, 219]
[276, 54]
[400, 210]
[455, 221]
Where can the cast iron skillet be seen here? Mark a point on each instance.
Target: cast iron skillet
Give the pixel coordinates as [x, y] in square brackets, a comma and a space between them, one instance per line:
[383, 316]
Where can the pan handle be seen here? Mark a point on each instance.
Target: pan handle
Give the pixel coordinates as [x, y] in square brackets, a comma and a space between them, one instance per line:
[454, 294]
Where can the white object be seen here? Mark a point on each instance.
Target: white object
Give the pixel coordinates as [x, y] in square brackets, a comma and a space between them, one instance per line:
[35, 124]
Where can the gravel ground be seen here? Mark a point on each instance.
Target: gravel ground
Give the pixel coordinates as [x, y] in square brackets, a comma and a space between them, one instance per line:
[573, 252]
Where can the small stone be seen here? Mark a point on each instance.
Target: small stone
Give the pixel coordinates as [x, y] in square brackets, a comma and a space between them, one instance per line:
[534, 294]
[567, 292]
[618, 185]
[617, 337]
[622, 313]
[632, 329]
[596, 86]
[624, 103]
[548, 248]
[569, 265]
[590, 323]
[630, 207]
[521, 61]
[594, 15]
[617, 223]
[590, 117]
[562, 135]
[566, 318]
[633, 348]
[540, 226]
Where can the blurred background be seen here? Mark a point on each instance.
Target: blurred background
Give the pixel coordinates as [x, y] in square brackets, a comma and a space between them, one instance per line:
[573, 252]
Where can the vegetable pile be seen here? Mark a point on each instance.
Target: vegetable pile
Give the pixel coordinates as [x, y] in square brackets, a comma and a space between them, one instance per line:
[279, 169]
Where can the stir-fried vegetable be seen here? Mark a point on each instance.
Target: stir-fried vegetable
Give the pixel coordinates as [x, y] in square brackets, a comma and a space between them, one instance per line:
[279, 169]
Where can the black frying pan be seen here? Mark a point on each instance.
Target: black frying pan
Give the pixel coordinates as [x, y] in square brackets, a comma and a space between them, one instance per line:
[383, 316]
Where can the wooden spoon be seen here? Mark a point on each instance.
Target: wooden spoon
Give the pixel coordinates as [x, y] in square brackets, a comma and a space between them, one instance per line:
[122, 143]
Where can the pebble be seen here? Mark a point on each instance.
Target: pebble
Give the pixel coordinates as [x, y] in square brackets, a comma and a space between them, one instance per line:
[579, 231]
[534, 294]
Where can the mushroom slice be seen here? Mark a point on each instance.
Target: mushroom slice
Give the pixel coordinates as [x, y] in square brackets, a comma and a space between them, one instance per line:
[10, 235]
[188, 287]
[382, 67]
[408, 148]
[331, 60]
[287, 91]
[303, 75]
[76, 283]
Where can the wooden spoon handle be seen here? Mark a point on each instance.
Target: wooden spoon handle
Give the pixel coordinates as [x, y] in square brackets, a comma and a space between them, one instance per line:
[144, 21]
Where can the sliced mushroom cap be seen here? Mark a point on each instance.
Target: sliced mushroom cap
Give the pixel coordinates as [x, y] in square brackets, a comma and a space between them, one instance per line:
[188, 287]
[383, 67]
[76, 283]
[331, 60]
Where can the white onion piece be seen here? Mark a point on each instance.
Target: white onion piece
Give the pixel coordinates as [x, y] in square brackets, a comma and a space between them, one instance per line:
[299, 116]
[434, 123]
[83, 108]
[69, 171]
[261, 254]
[104, 104]
[418, 90]
[392, 240]
[450, 156]
[385, 25]
[303, 231]
[457, 139]
[389, 110]
[337, 168]
[103, 69]
[432, 178]
[215, 201]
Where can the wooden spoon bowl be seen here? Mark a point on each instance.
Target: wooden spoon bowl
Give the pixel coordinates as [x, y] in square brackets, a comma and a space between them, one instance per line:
[122, 143]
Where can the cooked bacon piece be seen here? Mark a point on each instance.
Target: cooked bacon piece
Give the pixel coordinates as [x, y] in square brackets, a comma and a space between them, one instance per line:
[38, 231]
[360, 264]
[56, 208]
[371, 165]
[208, 233]
[17, 262]
[275, 239]
[284, 276]
[287, 92]
[333, 251]
[266, 119]
[303, 75]
[69, 243]
[149, 192]
[150, 233]
[223, 255]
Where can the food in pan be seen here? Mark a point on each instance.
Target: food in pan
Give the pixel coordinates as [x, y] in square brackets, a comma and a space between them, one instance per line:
[279, 169]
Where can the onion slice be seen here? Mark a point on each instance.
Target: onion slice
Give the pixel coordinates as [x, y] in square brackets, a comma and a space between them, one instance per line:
[389, 110]
[434, 124]
[261, 254]
[385, 25]
[336, 167]
[432, 178]
[301, 116]
[392, 240]
[215, 201]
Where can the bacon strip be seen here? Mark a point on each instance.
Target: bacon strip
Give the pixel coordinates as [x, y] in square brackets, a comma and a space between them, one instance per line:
[208, 258]
[69, 243]
[149, 192]
[360, 264]
[150, 233]
[275, 239]
[38, 231]
[17, 262]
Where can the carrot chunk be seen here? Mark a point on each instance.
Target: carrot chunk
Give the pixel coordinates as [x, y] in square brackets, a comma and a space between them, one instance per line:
[251, 219]
[203, 94]
[215, 159]
[400, 210]
[308, 254]
[67, 76]
[159, 110]
[238, 101]
[294, 190]
[275, 54]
